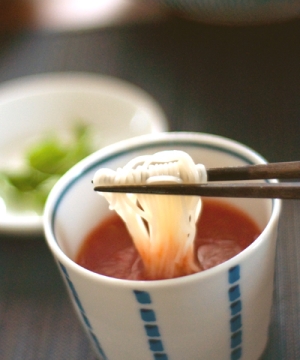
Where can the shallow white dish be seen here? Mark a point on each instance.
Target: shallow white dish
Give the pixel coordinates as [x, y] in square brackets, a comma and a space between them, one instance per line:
[32, 105]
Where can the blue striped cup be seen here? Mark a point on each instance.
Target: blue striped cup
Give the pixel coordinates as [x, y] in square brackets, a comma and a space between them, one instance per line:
[219, 314]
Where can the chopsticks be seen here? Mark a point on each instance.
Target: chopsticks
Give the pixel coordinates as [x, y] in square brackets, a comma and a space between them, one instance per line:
[258, 190]
[283, 170]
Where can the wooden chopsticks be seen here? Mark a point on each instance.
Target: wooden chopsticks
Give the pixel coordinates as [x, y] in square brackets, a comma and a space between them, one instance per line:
[281, 170]
[257, 190]
[284, 170]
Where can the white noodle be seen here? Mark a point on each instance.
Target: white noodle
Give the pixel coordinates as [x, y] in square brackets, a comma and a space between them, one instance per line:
[166, 242]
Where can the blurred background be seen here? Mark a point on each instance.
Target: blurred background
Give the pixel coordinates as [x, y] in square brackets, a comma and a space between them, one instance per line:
[238, 80]
[224, 67]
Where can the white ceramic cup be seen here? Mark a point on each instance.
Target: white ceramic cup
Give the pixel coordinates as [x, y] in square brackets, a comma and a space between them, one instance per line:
[220, 313]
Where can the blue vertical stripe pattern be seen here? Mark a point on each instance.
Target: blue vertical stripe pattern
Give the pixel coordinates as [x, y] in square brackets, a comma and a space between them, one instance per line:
[82, 312]
[152, 331]
[235, 323]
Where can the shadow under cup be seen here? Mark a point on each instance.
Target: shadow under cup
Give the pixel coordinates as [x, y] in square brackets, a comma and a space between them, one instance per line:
[220, 313]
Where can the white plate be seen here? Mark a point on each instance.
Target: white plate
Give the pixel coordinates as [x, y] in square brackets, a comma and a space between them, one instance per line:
[33, 105]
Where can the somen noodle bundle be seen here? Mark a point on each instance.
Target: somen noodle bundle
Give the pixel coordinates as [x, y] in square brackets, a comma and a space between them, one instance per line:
[162, 227]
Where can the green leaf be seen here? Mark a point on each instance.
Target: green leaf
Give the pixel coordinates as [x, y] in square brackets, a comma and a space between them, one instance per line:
[44, 162]
[26, 180]
[46, 156]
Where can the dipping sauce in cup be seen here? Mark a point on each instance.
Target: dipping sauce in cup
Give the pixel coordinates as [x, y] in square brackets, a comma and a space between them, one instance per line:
[223, 231]
[219, 313]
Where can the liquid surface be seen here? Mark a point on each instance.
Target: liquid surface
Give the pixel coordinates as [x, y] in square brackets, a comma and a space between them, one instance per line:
[222, 232]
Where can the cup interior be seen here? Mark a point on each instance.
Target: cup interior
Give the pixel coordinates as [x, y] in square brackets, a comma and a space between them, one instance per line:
[74, 209]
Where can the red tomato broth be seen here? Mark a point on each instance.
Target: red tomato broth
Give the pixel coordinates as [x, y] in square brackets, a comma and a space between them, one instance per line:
[223, 231]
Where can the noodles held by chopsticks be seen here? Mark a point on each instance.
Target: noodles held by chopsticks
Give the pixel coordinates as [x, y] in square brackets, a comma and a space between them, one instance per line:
[162, 226]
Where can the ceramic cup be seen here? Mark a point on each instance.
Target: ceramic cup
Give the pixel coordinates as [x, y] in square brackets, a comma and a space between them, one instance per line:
[220, 313]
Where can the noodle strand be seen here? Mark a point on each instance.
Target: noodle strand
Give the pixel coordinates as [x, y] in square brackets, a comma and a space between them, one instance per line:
[162, 227]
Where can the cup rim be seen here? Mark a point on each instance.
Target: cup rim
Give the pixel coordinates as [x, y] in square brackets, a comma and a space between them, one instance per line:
[213, 141]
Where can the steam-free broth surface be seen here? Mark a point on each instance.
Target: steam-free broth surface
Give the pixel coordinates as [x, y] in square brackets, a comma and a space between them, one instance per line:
[222, 232]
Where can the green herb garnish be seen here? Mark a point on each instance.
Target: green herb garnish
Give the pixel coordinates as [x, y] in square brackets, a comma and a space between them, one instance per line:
[44, 163]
